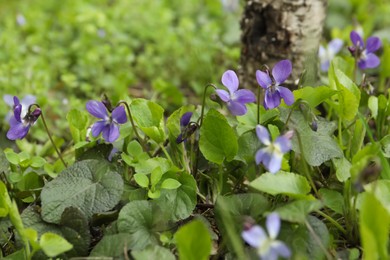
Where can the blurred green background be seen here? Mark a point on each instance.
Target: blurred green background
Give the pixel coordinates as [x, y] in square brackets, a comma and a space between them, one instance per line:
[66, 52]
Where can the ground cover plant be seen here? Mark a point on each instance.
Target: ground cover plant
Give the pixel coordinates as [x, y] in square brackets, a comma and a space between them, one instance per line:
[87, 169]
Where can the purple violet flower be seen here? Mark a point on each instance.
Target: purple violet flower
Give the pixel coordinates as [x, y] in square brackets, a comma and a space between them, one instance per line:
[271, 156]
[271, 83]
[25, 102]
[268, 248]
[235, 98]
[365, 53]
[109, 124]
[187, 127]
[326, 55]
[20, 125]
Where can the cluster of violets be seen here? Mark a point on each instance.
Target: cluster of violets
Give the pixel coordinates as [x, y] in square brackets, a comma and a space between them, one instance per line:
[363, 52]
[271, 155]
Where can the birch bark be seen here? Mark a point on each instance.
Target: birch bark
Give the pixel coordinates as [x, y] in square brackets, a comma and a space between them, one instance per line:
[273, 30]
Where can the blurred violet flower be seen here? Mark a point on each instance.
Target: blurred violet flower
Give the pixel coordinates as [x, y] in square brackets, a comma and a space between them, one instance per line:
[326, 55]
[25, 102]
[235, 98]
[187, 127]
[271, 156]
[364, 53]
[20, 124]
[268, 248]
[108, 126]
[20, 20]
[271, 83]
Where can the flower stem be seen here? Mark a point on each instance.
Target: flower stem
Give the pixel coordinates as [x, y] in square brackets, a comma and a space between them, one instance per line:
[258, 105]
[50, 137]
[307, 172]
[204, 102]
[142, 141]
[331, 220]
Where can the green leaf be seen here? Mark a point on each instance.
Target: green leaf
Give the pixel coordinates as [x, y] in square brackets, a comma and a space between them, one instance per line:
[5, 201]
[75, 228]
[155, 176]
[149, 117]
[89, 185]
[297, 211]
[314, 96]
[147, 166]
[193, 241]
[142, 180]
[53, 244]
[134, 149]
[112, 245]
[248, 121]
[332, 199]
[286, 183]
[11, 156]
[374, 223]
[248, 144]
[385, 143]
[181, 201]
[139, 218]
[381, 190]
[362, 158]
[373, 106]
[311, 140]
[78, 124]
[343, 167]
[217, 138]
[307, 243]
[4, 164]
[153, 252]
[349, 93]
[170, 184]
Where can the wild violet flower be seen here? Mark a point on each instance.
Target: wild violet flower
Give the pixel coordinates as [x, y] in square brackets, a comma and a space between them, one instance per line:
[364, 53]
[20, 125]
[271, 83]
[327, 54]
[271, 156]
[235, 98]
[268, 248]
[108, 126]
[26, 101]
[187, 127]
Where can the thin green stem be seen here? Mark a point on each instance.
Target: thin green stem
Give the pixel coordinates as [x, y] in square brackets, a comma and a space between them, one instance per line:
[258, 104]
[307, 172]
[141, 140]
[50, 137]
[204, 102]
[318, 240]
[331, 220]
[166, 153]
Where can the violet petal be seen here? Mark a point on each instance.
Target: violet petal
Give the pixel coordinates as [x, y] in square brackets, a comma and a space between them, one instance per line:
[335, 46]
[119, 115]
[9, 100]
[185, 118]
[284, 144]
[255, 236]
[263, 135]
[286, 94]
[373, 44]
[263, 79]
[356, 39]
[371, 61]
[271, 100]
[275, 162]
[97, 109]
[236, 108]
[97, 128]
[111, 133]
[281, 248]
[223, 94]
[230, 80]
[244, 96]
[282, 71]
[18, 131]
[273, 225]
[17, 112]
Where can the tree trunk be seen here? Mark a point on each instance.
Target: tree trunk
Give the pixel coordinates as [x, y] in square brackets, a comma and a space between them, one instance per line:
[274, 30]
